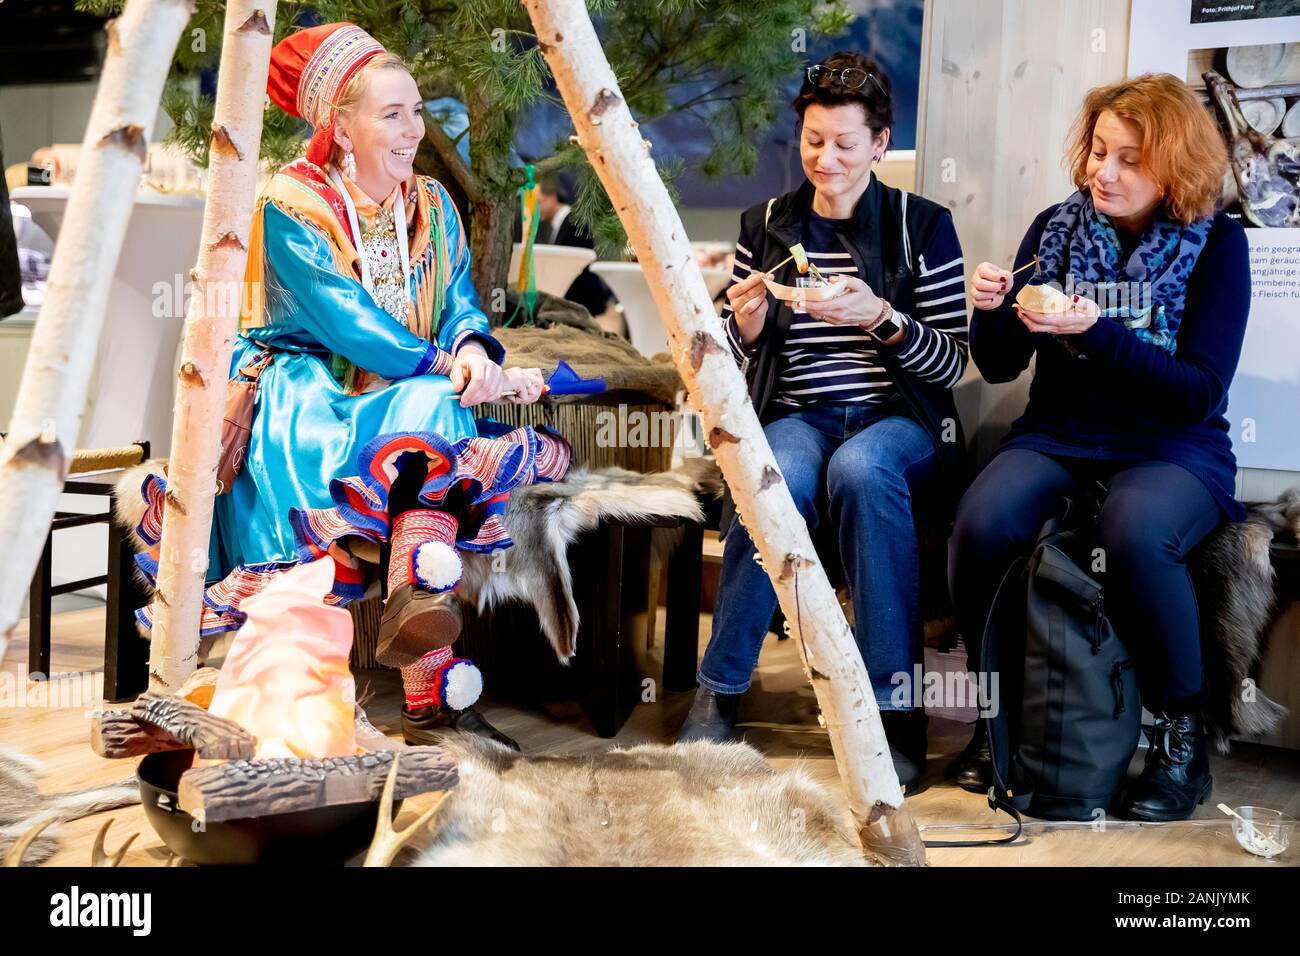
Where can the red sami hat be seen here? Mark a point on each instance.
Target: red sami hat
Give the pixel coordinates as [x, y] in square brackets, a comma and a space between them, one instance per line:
[309, 71]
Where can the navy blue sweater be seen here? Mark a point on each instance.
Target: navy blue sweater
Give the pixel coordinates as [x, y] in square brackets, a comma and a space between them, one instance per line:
[1123, 399]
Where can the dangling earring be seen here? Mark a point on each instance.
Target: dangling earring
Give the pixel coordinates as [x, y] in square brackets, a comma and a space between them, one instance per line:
[349, 165]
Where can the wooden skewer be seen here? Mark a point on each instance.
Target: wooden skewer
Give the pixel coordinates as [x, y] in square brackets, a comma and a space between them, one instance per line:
[1031, 262]
[811, 268]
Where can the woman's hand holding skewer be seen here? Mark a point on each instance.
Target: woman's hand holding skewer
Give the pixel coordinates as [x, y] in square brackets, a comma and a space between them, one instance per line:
[748, 300]
[523, 386]
[989, 286]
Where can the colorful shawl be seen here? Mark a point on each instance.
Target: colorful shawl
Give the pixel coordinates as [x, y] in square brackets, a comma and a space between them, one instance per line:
[304, 191]
[1148, 291]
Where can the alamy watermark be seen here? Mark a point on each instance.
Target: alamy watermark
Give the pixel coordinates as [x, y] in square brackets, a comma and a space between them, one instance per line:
[75, 690]
[625, 427]
[171, 300]
[946, 689]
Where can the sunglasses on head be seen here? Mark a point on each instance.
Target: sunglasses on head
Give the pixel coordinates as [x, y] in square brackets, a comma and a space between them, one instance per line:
[850, 78]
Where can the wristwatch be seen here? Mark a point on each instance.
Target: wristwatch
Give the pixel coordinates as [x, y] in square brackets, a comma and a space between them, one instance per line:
[886, 328]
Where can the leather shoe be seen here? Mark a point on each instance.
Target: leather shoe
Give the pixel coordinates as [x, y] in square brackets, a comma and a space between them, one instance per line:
[972, 769]
[426, 726]
[712, 717]
[1176, 776]
[415, 622]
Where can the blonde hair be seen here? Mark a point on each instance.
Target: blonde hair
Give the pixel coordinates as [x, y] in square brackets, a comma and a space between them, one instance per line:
[356, 88]
[1181, 146]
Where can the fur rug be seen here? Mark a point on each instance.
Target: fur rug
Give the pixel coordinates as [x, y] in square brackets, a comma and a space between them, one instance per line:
[1234, 582]
[22, 805]
[697, 804]
[543, 520]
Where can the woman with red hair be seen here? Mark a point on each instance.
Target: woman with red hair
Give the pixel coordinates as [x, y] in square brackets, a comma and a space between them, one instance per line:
[1130, 390]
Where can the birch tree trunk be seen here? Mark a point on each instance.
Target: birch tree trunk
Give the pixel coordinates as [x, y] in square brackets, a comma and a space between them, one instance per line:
[210, 327]
[831, 659]
[52, 395]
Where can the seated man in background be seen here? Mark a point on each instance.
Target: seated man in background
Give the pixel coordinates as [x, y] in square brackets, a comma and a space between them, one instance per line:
[558, 228]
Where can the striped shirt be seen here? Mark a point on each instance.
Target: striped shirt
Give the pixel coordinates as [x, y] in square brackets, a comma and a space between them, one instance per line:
[837, 364]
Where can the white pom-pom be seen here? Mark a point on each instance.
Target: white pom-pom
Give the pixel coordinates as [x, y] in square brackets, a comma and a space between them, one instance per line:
[462, 685]
[437, 566]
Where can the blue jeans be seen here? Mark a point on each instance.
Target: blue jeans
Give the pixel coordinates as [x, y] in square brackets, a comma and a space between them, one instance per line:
[856, 466]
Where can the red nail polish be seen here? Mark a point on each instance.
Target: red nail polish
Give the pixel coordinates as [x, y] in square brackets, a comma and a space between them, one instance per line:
[1075, 299]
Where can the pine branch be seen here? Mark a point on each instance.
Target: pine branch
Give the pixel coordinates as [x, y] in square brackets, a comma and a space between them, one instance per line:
[450, 156]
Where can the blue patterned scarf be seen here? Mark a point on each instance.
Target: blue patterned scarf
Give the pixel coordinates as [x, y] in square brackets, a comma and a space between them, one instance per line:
[1146, 293]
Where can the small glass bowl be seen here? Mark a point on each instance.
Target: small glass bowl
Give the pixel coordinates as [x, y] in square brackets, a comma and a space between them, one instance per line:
[805, 282]
[1266, 833]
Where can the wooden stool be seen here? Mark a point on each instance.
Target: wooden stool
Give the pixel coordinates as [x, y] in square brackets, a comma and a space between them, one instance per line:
[612, 587]
[126, 654]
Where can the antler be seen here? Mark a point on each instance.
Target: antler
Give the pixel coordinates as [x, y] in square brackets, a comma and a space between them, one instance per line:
[16, 853]
[97, 855]
[387, 841]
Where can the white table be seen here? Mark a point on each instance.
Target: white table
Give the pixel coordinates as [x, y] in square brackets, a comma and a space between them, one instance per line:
[644, 327]
[133, 382]
[133, 385]
[557, 266]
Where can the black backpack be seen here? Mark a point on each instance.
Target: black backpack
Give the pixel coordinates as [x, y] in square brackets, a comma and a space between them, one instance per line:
[1065, 720]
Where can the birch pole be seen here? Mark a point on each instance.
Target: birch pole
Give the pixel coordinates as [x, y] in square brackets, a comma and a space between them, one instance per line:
[52, 395]
[210, 327]
[831, 659]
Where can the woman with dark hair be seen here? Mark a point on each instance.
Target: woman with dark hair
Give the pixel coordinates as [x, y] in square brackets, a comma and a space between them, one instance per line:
[854, 393]
[1130, 389]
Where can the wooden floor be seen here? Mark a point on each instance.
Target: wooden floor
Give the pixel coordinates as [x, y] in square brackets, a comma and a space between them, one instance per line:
[779, 718]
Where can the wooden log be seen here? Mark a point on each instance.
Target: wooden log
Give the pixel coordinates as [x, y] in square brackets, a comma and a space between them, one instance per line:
[43, 431]
[206, 345]
[254, 788]
[158, 722]
[119, 733]
[212, 737]
[620, 157]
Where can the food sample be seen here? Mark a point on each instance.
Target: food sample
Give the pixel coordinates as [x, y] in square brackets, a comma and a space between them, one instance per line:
[800, 258]
[789, 293]
[1044, 299]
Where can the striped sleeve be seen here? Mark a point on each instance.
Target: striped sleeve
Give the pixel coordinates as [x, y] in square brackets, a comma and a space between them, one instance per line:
[934, 346]
[740, 271]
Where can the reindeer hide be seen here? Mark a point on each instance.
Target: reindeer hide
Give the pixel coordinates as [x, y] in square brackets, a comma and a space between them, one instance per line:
[696, 804]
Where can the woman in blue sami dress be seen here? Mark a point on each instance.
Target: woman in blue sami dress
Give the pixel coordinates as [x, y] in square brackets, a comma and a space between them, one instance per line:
[369, 348]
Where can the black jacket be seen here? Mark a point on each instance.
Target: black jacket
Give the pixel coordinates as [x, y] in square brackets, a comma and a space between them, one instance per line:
[11, 282]
[874, 239]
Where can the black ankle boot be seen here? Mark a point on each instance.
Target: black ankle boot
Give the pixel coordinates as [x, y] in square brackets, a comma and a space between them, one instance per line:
[972, 769]
[1176, 776]
[906, 732]
[712, 718]
[427, 725]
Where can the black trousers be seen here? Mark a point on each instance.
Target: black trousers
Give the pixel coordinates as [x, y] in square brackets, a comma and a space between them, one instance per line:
[1155, 513]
